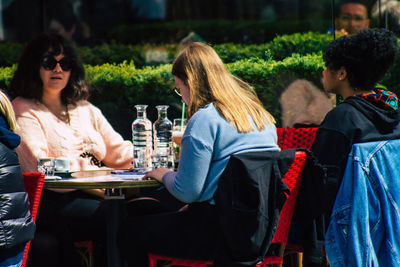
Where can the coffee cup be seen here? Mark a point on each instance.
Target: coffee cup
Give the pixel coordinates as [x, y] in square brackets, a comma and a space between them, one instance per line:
[61, 165]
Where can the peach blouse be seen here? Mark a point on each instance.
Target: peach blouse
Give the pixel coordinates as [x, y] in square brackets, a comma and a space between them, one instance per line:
[44, 135]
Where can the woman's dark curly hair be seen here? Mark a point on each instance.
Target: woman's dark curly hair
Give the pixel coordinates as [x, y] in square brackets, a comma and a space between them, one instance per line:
[27, 82]
[366, 56]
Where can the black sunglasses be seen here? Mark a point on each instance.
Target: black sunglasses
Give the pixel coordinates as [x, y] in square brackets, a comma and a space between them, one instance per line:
[49, 63]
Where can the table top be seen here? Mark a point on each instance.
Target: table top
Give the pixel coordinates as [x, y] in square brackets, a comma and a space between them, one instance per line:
[98, 180]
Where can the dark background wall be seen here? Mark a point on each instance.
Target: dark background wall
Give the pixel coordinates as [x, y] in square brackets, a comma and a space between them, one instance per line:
[23, 19]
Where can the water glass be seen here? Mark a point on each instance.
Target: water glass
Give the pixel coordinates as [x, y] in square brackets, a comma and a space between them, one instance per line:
[46, 166]
[155, 160]
[178, 128]
[163, 160]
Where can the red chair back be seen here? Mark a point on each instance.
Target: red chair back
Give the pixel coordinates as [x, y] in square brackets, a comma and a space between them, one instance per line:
[296, 138]
[153, 258]
[33, 186]
[280, 133]
[292, 179]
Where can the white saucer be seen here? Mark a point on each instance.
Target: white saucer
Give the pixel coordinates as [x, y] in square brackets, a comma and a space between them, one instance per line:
[52, 177]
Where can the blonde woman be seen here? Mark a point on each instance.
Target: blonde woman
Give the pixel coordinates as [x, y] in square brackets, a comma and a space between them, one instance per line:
[225, 118]
[7, 112]
[16, 224]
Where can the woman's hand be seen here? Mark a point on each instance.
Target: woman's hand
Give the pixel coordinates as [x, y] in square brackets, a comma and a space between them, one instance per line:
[157, 174]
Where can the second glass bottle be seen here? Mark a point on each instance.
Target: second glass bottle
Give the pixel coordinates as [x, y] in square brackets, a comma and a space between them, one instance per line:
[162, 133]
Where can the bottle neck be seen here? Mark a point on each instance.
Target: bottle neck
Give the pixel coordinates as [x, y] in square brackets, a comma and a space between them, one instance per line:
[162, 114]
[141, 114]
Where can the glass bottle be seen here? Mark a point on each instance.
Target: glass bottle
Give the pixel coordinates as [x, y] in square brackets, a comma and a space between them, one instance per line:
[162, 129]
[142, 140]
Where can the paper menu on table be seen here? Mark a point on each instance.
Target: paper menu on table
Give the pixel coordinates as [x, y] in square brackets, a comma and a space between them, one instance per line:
[110, 178]
[131, 175]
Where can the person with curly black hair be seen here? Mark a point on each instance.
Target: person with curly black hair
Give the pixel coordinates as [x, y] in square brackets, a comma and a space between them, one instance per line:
[354, 65]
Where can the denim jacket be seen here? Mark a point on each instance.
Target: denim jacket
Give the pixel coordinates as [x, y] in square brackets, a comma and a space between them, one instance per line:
[364, 228]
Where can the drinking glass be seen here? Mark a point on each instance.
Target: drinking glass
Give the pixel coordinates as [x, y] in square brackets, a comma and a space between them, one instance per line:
[47, 166]
[178, 128]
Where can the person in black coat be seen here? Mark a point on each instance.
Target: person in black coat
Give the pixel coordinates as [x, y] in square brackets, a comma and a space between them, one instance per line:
[16, 224]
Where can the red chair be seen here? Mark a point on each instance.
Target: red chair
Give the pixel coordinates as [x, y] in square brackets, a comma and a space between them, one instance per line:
[297, 138]
[33, 186]
[280, 132]
[153, 258]
[292, 178]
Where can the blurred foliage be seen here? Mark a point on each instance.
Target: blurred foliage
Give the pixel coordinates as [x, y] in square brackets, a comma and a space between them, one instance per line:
[117, 88]
[10, 53]
[279, 48]
[119, 80]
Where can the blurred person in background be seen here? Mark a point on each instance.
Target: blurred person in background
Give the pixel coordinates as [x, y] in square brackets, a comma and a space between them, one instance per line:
[64, 18]
[351, 17]
[305, 105]
[389, 15]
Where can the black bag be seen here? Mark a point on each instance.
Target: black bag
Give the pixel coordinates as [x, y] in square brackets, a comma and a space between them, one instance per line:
[318, 189]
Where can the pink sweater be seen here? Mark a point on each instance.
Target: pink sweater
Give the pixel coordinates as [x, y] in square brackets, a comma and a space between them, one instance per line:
[44, 135]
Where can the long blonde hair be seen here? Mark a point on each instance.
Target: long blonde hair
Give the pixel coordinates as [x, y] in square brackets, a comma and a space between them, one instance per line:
[7, 111]
[201, 69]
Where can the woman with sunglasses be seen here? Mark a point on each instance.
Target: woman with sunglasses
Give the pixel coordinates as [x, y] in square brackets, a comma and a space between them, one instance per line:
[54, 116]
[57, 121]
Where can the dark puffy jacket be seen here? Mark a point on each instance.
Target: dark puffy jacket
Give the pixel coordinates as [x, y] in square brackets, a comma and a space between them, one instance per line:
[16, 224]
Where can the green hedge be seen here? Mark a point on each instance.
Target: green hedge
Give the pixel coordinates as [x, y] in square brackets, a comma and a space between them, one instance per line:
[118, 88]
[279, 48]
[10, 53]
[300, 43]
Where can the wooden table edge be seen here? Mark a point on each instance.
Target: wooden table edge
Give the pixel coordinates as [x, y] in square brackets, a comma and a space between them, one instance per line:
[71, 184]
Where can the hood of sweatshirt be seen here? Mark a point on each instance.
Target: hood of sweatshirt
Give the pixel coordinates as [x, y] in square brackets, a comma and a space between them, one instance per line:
[381, 108]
